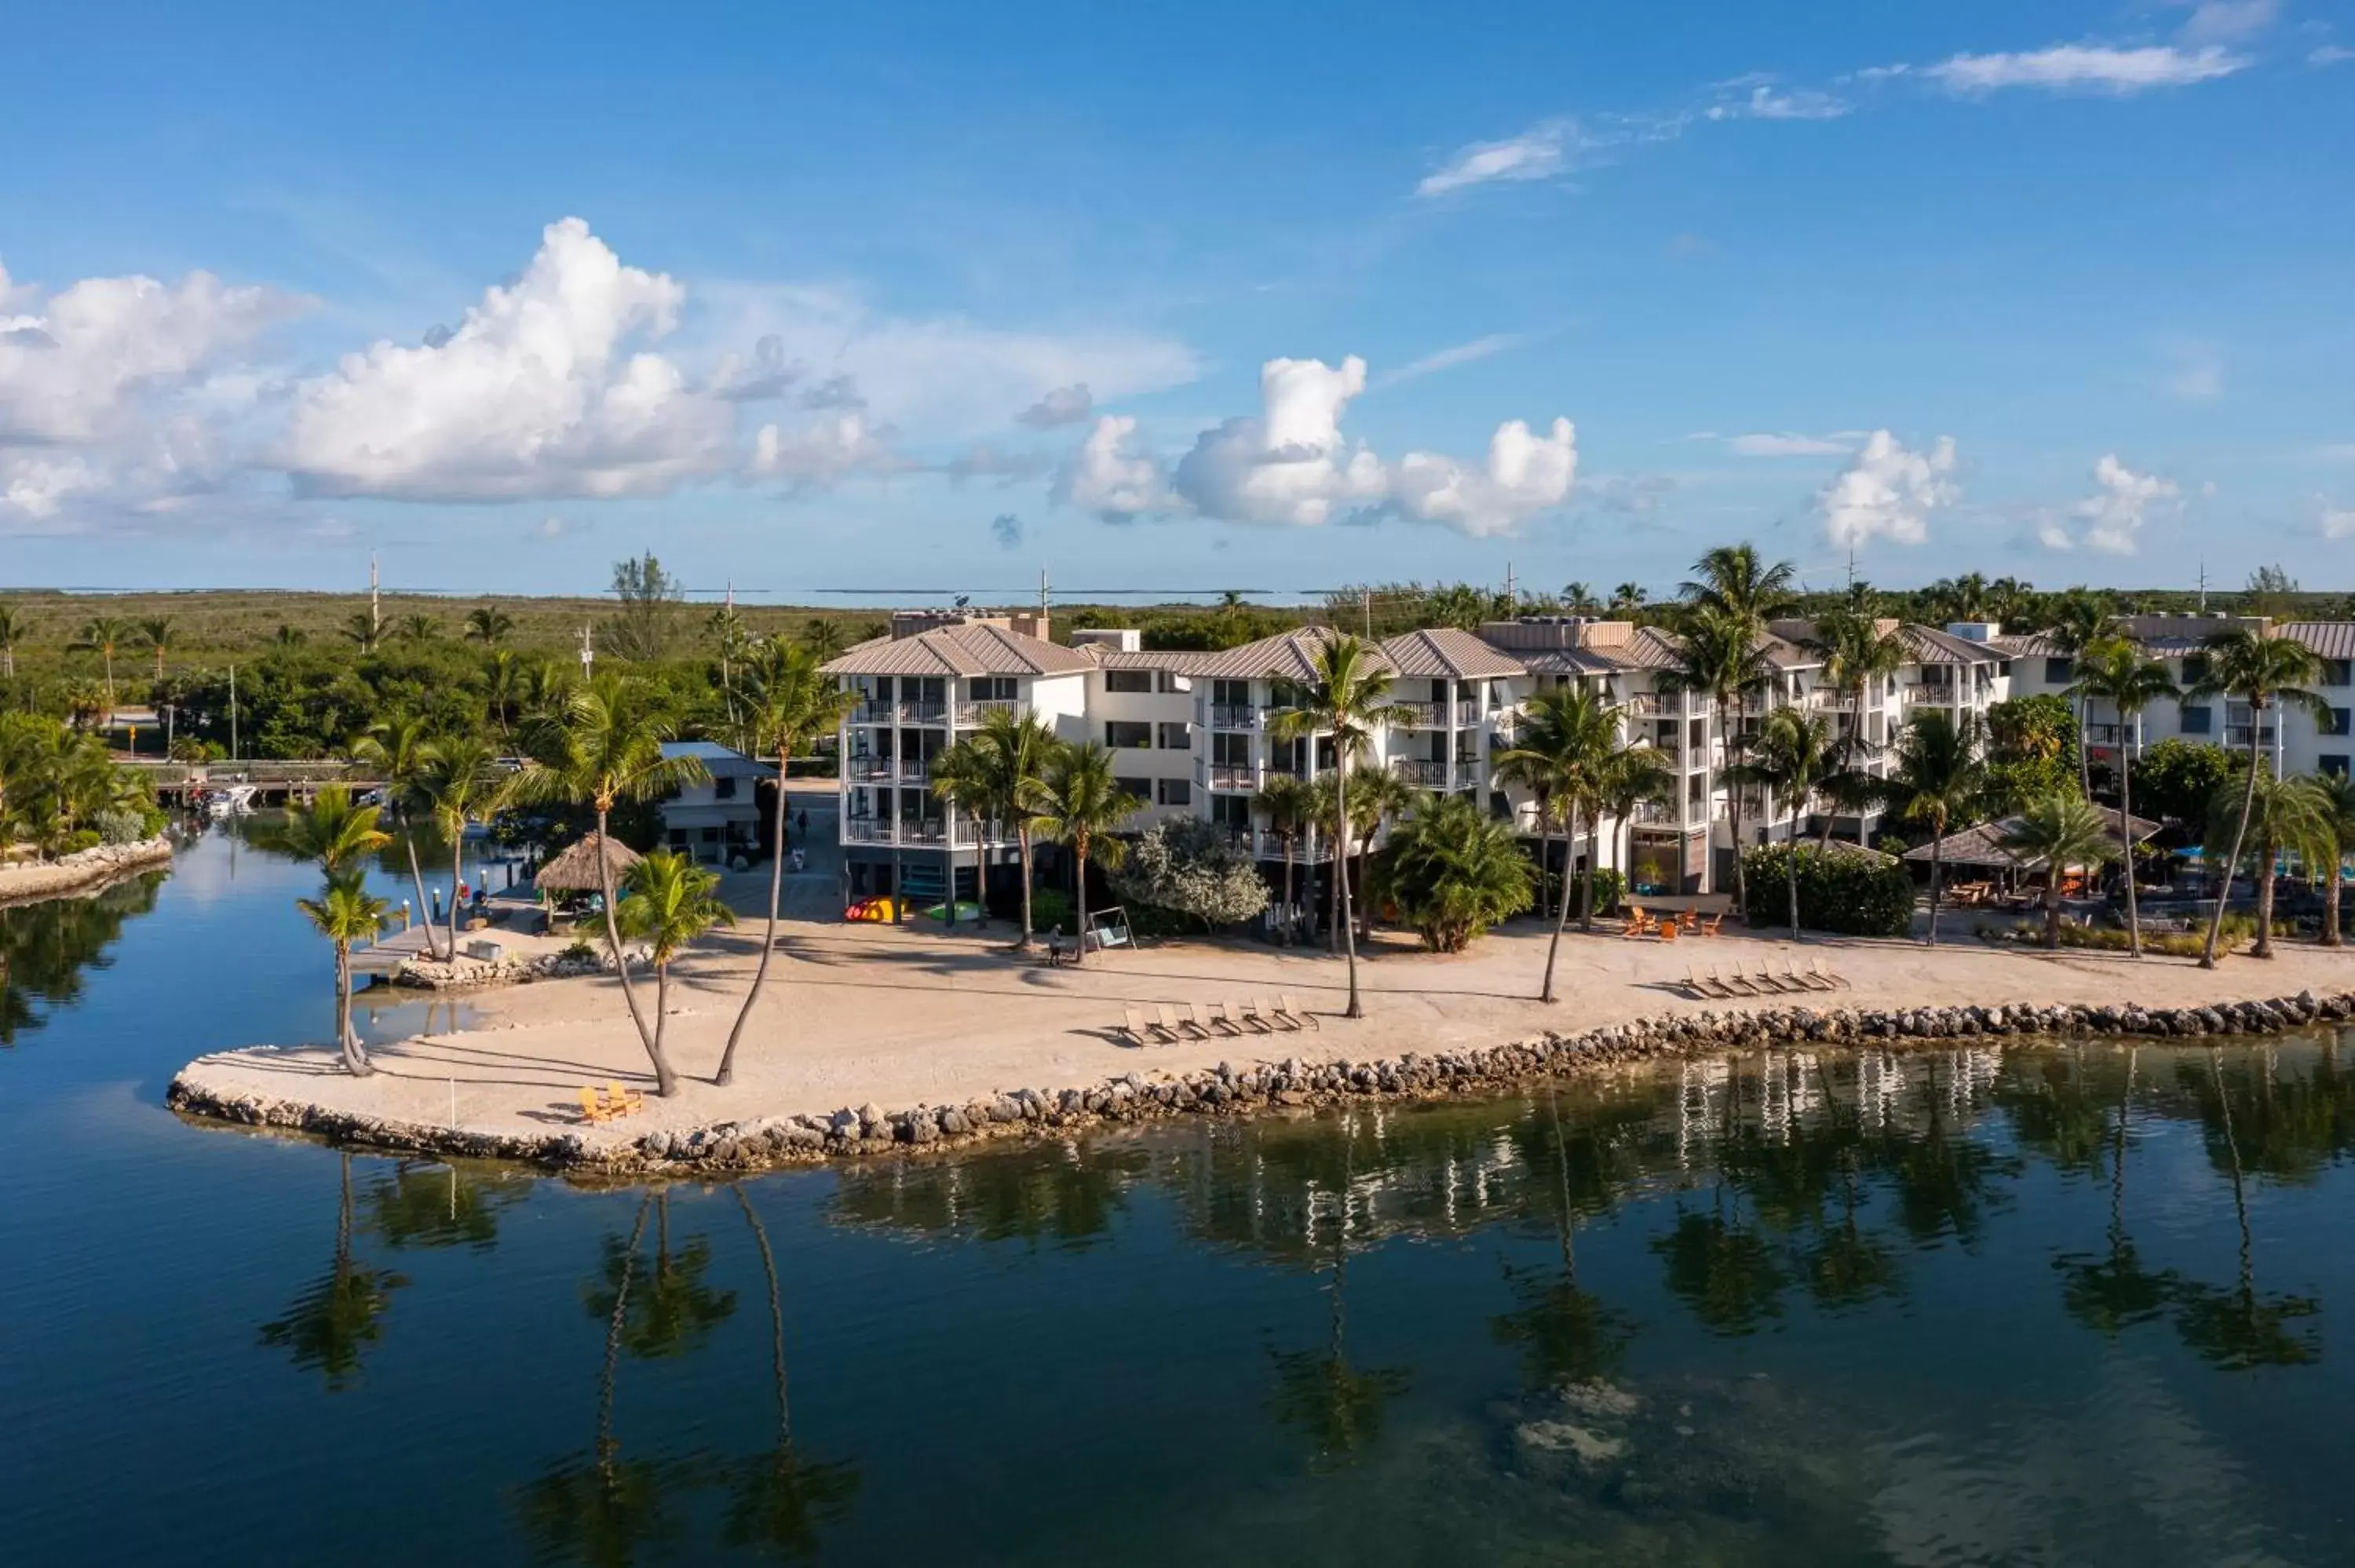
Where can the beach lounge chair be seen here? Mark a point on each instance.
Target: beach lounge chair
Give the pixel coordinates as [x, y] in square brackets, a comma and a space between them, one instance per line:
[1808, 980]
[1817, 968]
[1257, 1008]
[1294, 1011]
[1766, 983]
[1139, 1032]
[1712, 989]
[1222, 1021]
[1242, 1017]
[1734, 983]
[1216, 1023]
[1177, 1028]
[593, 1104]
[620, 1101]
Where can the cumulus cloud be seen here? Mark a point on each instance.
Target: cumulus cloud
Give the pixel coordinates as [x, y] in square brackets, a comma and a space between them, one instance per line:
[839, 391]
[536, 394]
[822, 455]
[1526, 474]
[763, 376]
[1536, 154]
[1112, 476]
[1288, 464]
[550, 529]
[2338, 522]
[1060, 406]
[1007, 529]
[2111, 518]
[1889, 491]
[2087, 68]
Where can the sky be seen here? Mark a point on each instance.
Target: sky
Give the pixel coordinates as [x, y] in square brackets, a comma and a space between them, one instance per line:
[919, 301]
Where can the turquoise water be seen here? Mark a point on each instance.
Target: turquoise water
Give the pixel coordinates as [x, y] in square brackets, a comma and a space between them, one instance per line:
[2035, 1305]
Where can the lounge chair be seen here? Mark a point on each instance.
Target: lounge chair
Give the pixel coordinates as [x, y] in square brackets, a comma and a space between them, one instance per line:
[1712, 989]
[1257, 1008]
[1139, 1032]
[593, 1104]
[1177, 1028]
[1736, 984]
[1766, 983]
[1810, 982]
[620, 1101]
[1816, 967]
[1293, 1010]
[1215, 1023]
[1708, 926]
[1222, 1021]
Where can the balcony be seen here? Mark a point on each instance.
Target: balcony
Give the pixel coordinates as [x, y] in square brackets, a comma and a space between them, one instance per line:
[1229, 777]
[2237, 735]
[870, 769]
[2107, 734]
[1426, 774]
[1420, 716]
[969, 714]
[875, 713]
[923, 712]
[867, 829]
[1237, 715]
[1651, 704]
[1829, 699]
[929, 832]
[1922, 692]
[1653, 814]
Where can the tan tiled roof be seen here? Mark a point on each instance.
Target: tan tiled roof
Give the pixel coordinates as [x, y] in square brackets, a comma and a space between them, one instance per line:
[2328, 639]
[1286, 656]
[1928, 645]
[1183, 661]
[1444, 652]
[975, 649]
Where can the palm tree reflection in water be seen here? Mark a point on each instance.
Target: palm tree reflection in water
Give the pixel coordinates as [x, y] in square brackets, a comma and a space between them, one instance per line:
[333, 1321]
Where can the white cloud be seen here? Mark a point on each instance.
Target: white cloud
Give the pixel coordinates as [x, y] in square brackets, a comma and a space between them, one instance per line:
[2338, 522]
[1764, 101]
[1288, 465]
[1536, 154]
[1448, 358]
[982, 460]
[822, 455]
[1889, 491]
[550, 529]
[536, 394]
[1526, 474]
[2111, 519]
[2330, 55]
[2092, 68]
[1060, 406]
[1787, 444]
[1111, 476]
[2225, 21]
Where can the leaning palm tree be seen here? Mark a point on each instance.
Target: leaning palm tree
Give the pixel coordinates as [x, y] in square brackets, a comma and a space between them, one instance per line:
[2290, 816]
[14, 630]
[1350, 702]
[462, 783]
[399, 750]
[2114, 670]
[670, 905]
[1636, 776]
[1081, 805]
[488, 625]
[1791, 755]
[344, 913]
[787, 699]
[1565, 741]
[102, 635]
[2267, 672]
[603, 747]
[1941, 776]
[1718, 655]
[157, 632]
[2080, 618]
[2337, 802]
[1288, 801]
[2059, 830]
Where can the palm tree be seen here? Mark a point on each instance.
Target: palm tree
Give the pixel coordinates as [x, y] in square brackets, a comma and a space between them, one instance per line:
[2292, 815]
[1636, 775]
[823, 637]
[334, 831]
[399, 749]
[2337, 800]
[1081, 805]
[602, 746]
[13, 630]
[1791, 755]
[1382, 797]
[1940, 777]
[289, 636]
[157, 632]
[1718, 655]
[461, 782]
[960, 781]
[2114, 670]
[782, 1497]
[2057, 831]
[2080, 618]
[1578, 598]
[417, 627]
[1565, 742]
[2266, 672]
[503, 677]
[1350, 702]
[488, 625]
[1964, 598]
[361, 627]
[727, 628]
[1006, 764]
[1628, 596]
[1454, 871]
[1733, 581]
[670, 905]
[788, 699]
[1288, 801]
[1857, 655]
[344, 913]
[102, 635]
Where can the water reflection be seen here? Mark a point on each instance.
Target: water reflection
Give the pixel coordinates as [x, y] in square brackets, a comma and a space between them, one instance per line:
[333, 1320]
[47, 947]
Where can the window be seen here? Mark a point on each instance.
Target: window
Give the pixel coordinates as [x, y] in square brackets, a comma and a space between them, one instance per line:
[2334, 765]
[2336, 724]
[2199, 720]
[1230, 693]
[1231, 811]
[991, 689]
[2338, 672]
[1168, 681]
[1231, 751]
[723, 788]
[1131, 681]
[1175, 736]
[2060, 672]
[1174, 793]
[2195, 668]
[1137, 790]
[1126, 735]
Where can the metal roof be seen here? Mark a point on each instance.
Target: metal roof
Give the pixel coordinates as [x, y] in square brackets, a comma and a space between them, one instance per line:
[1443, 651]
[1182, 660]
[1286, 656]
[2328, 638]
[975, 647]
[720, 761]
[1928, 645]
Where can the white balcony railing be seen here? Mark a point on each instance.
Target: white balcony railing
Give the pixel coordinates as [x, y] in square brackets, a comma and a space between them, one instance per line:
[975, 712]
[1237, 715]
[1229, 777]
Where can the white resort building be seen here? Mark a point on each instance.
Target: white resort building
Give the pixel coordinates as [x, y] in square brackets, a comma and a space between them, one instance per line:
[1191, 733]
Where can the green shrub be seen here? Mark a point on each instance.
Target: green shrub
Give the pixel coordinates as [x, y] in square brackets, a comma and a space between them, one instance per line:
[121, 826]
[1049, 907]
[2238, 930]
[1844, 892]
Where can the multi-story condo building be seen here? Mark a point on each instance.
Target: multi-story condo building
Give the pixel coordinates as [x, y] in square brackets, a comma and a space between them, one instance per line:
[1193, 734]
[2299, 741]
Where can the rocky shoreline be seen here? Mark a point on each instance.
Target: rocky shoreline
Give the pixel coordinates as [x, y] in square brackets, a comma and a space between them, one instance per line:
[81, 870]
[868, 1130]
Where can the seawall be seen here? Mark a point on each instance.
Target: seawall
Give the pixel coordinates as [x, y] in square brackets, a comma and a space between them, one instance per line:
[82, 870]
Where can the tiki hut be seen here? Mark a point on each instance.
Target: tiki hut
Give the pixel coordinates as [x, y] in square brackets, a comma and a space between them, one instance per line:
[575, 869]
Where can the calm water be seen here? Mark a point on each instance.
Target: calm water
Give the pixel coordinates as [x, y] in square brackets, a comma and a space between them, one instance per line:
[2027, 1306]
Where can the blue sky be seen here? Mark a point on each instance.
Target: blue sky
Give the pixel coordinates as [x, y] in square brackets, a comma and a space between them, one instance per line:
[911, 298]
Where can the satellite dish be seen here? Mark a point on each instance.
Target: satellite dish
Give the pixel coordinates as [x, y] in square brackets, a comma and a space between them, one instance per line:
[963, 599]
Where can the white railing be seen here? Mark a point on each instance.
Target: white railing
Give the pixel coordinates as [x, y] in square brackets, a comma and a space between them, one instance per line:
[923, 712]
[1420, 772]
[1237, 715]
[1227, 776]
[974, 713]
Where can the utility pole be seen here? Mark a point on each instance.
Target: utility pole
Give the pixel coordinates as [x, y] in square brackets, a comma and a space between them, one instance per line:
[2203, 585]
[588, 653]
[1366, 598]
[232, 710]
[1512, 593]
[1042, 596]
[376, 604]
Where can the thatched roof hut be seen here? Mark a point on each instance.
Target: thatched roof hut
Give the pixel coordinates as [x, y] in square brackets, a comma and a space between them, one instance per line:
[575, 869]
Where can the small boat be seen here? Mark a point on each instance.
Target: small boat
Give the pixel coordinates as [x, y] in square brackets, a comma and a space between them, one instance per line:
[235, 800]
